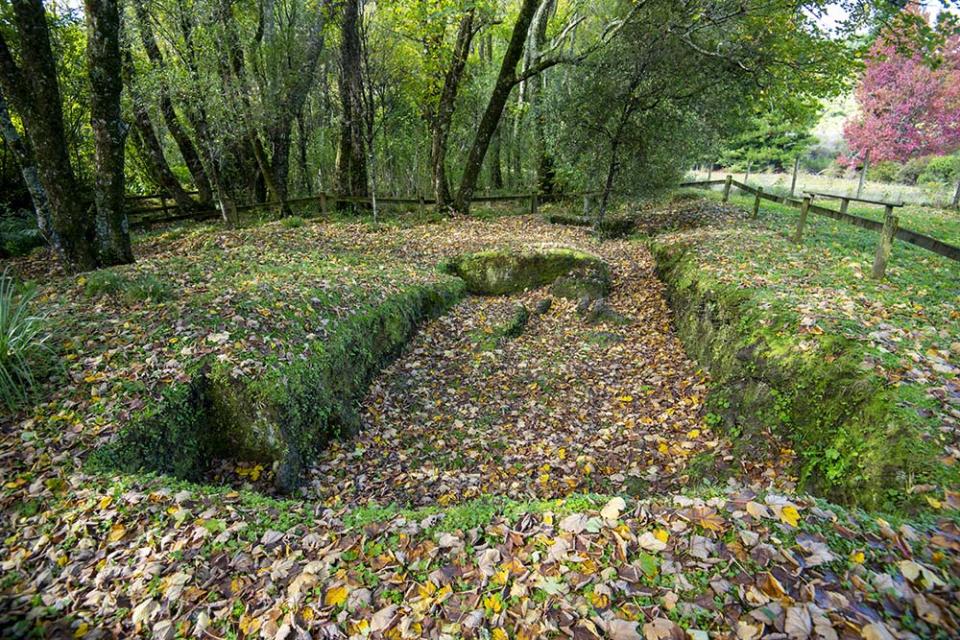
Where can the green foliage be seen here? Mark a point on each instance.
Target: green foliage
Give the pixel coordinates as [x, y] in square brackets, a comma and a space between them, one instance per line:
[886, 171]
[912, 169]
[772, 139]
[941, 170]
[18, 235]
[22, 342]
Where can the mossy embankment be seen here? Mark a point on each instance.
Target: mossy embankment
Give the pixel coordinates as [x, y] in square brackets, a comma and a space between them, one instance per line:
[858, 439]
[290, 411]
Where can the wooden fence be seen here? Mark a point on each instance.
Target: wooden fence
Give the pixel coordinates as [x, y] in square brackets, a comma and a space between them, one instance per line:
[140, 217]
[888, 229]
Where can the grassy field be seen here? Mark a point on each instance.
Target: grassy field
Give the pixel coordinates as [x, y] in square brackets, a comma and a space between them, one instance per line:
[780, 183]
[940, 223]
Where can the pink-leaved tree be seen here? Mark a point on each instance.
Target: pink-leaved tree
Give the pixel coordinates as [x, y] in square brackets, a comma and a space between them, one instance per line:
[907, 107]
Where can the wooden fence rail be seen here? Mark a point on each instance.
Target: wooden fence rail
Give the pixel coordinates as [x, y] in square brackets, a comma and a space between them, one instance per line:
[906, 235]
[141, 218]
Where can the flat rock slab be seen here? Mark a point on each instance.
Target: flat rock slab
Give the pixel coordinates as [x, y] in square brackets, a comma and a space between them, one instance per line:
[507, 271]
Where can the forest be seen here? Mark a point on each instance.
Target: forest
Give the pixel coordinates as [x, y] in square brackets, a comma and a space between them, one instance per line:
[510, 319]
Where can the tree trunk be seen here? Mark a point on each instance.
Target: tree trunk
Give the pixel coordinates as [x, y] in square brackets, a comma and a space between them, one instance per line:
[506, 79]
[614, 165]
[109, 130]
[188, 151]
[35, 94]
[496, 172]
[545, 171]
[28, 170]
[351, 169]
[151, 153]
[442, 119]
[305, 181]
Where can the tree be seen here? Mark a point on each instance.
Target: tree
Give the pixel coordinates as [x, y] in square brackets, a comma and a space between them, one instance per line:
[351, 171]
[34, 91]
[679, 76]
[183, 141]
[109, 130]
[908, 107]
[774, 138]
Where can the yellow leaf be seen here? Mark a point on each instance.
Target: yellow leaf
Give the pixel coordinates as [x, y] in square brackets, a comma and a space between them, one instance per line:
[81, 630]
[857, 557]
[790, 515]
[694, 433]
[661, 535]
[335, 596]
[599, 600]
[105, 502]
[499, 634]
[936, 504]
[663, 448]
[626, 399]
[117, 531]
[493, 603]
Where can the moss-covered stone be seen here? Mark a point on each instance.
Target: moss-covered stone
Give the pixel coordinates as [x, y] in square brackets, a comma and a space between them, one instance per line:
[855, 443]
[290, 411]
[503, 271]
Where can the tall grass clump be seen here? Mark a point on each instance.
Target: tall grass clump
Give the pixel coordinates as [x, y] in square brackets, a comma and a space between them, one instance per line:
[22, 341]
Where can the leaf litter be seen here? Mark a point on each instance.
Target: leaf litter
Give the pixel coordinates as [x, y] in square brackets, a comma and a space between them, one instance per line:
[497, 442]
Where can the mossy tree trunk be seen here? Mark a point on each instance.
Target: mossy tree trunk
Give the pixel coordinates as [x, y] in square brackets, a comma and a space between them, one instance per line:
[351, 166]
[109, 130]
[24, 157]
[34, 91]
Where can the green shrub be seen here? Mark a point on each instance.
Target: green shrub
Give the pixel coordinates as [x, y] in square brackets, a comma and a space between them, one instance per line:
[911, 170]
[941, 170]
[22, 341]
[292, 222]
[886, 171]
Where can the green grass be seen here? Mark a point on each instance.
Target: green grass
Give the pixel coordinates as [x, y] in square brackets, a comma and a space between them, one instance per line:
[23, 340]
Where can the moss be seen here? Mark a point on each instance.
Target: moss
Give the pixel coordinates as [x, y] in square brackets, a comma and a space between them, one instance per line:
[502, 272]
[286, 414]
[857, 444]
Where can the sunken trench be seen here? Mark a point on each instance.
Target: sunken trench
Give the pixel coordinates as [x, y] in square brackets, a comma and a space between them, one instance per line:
[284, 418]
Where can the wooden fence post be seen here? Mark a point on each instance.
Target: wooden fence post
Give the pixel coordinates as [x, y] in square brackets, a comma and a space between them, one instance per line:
[793, 183]
[863, 174]
[756, 203]
[419, 203]
[804, 209]
[885, 245]
[844, 203]
[586, 205]
[323, 203]
[533, 203]
[709, 171]
[956, 196]
[726, 188]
